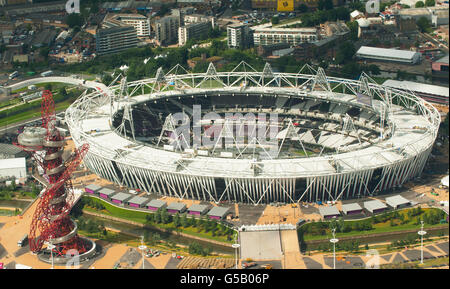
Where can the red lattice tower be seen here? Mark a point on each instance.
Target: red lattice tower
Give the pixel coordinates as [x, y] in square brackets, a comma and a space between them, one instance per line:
[51, 222]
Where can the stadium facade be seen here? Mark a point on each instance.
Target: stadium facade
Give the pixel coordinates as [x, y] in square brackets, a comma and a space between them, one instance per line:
[335, 138]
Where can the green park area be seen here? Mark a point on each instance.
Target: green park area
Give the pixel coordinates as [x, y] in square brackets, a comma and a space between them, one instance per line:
[396, 221]
[162, 220]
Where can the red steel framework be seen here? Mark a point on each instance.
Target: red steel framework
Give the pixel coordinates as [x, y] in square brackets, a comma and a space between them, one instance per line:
[51, 221]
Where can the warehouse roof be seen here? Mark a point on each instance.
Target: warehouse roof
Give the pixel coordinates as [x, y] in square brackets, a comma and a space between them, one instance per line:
[176, 206]
[156, 203]
[13, 163]
[351, 207]
[218, 212]
[374, 205]
[397, 200]
[386, 52]
[197, 208]
[106, 191]
[121, 196]
[443, 59]
[10, 149]
[329, 211]
[137, 200]
[93, 187]
[417, 87]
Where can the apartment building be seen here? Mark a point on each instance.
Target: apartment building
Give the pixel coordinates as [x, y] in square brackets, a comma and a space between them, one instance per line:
[239, 36]
[140, 23]
[291, 36]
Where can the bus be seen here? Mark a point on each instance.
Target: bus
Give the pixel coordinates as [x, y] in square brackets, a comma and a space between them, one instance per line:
[22, 242]
[14, 75]
[46, 73]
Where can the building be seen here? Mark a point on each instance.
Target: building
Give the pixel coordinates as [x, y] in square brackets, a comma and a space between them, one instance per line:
[14, 167]
[176, 207]
[375, 206]
[429, 92]
[239, 36]
[137, 202]
[329, 212]
[197, 209]
[9, 151]
[192, 31]
[291, 36]
[166, 29]
[440, 66]
[286, 5]
[389, 55]
[92, 189]
[106, 193]
[397, 202]
[436, 15]
[120, 198]
[352, 209]
[140, 22]
[218, 213]
[155, 205]
[115, 39]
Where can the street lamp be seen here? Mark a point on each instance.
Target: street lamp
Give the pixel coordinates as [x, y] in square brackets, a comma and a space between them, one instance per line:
[142, 247]
[50, 247]
[334, 241]
[236, 246]
[421, 233]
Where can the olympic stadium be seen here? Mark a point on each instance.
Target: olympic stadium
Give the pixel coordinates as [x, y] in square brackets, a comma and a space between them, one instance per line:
[327, 138]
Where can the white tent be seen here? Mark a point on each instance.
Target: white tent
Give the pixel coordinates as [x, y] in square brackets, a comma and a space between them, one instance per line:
[444, 181]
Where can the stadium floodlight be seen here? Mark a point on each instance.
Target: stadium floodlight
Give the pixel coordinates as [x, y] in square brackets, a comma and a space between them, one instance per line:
[421, 233]
[334, 241]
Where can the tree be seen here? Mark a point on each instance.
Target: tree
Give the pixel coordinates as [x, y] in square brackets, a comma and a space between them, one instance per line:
[74, 19]
[419, 4]
[176, 220]
[275, 20]
[303, 8]
[423, 24]
[430, 3]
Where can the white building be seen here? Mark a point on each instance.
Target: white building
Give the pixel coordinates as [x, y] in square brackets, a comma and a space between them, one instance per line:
[16, 167]
[387, 54]
[238, 35]
[291, 36]
[140, 23]
[191, 31]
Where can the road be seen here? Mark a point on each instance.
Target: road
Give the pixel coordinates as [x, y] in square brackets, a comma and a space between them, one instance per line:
[435, 42]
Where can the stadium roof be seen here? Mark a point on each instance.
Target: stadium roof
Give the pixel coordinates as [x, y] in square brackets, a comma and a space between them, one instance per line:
[156, 204]
[197, 208]
[106, 191]
[93, 187]
[12, 163]
[418, 87]
[397, 200]
[386, 52]
[329, 211]
[137, 200]
[374, 205]
[218, 212]
[176, 206]
[121, 196]
[351, 207]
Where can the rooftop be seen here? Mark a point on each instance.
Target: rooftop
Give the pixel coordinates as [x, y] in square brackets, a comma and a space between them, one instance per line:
[351, 207]
[156, 203]
[93, 187]
[10, 149]
[121, 196]
[106, 191]
[329, 211]
[417, 87]
[14, 163]
[138, 200]
[374, 205]
[397, 200]
[386, 52]
[197, 208]
[176, 206]
[218, 211]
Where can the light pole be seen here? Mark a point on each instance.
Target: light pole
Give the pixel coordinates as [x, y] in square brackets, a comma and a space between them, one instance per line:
[50, 247]
[236, 246]
[142, 247]
[421, 233]
[334, 241]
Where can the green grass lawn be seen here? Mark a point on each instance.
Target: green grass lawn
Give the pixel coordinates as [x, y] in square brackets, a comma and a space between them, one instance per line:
[384, 227]
[140, 217]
